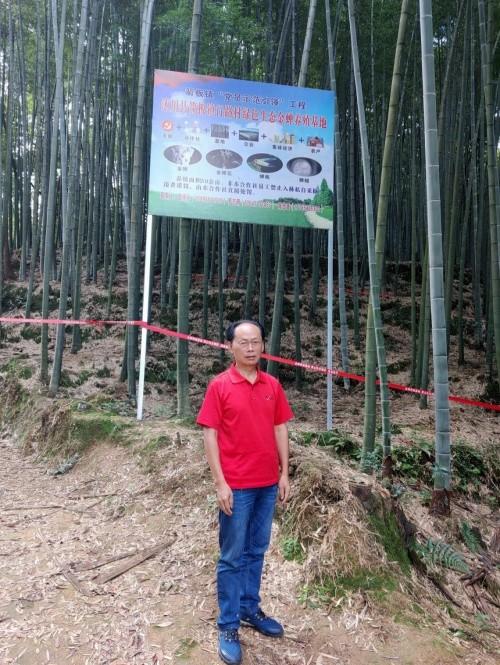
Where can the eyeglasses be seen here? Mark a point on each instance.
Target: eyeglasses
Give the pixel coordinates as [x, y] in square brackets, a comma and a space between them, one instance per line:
[247, 343]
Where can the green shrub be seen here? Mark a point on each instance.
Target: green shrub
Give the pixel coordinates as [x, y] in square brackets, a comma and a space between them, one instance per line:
[82, 378]
[65, 381]
[292, 550]
[469, 470]
[15, 369]
[159, 373]
[335, 441]
[32, 332]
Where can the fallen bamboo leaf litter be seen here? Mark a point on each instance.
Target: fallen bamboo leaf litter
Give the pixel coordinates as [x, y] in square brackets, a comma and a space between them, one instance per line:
[178, 580]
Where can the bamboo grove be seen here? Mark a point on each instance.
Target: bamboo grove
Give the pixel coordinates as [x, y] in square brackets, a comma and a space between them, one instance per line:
[417, 173]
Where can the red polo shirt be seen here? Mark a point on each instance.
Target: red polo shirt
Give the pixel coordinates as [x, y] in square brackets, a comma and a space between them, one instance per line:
[244, 415]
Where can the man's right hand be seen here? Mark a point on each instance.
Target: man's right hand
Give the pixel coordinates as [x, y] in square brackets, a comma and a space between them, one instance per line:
[225, 498]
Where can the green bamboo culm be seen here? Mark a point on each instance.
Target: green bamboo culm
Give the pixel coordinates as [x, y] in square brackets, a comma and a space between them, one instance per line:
[339, 207]
[183, 404]
[71, 195]
[51, 195]
[279, 289]
[136, 205]
[440, 504]
[383, 205]
[493, 206]
[370, 232]
[297, 233]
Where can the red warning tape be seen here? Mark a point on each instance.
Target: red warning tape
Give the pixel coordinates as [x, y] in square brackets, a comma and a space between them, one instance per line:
[219, 345]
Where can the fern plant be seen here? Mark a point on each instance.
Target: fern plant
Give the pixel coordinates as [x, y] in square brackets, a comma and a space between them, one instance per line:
[472, 538]
[439, 553]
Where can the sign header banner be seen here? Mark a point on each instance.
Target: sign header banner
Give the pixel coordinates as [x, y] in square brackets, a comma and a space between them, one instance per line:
[241, 151]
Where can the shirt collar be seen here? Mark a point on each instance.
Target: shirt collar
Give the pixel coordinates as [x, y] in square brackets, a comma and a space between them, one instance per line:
[236, 377]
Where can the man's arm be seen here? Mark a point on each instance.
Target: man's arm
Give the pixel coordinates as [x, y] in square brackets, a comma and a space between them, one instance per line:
[224, 492]
[281, 435]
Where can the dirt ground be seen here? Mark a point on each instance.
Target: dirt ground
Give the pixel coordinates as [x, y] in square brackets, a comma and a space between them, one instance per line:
[163, 610]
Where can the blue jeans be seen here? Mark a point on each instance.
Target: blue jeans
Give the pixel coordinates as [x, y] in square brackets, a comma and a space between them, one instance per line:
[244, 538]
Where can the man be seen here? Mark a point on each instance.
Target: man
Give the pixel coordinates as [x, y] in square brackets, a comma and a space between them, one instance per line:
[244, 416]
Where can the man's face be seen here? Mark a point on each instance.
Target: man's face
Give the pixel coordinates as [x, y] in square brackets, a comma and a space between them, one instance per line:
[247, 345]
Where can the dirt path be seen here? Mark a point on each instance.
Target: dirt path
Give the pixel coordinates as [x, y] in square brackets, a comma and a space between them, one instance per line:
[318, 222]
[163, 610]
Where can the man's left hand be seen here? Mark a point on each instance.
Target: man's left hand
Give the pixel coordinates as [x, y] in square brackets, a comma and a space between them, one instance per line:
[283, 489]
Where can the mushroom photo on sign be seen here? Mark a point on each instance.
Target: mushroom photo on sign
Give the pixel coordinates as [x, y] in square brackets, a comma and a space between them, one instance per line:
[304, 167]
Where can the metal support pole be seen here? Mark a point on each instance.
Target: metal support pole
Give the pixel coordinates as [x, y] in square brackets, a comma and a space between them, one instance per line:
[145, 314]
[329, 333]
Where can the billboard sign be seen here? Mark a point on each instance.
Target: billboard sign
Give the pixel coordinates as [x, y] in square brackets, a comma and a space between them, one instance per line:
[241, 151]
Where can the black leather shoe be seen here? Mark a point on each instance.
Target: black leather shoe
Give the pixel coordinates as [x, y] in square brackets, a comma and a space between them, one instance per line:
[264, 624]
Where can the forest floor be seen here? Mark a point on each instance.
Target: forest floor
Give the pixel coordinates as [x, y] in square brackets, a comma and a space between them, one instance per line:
[138, 485]
[164, 610]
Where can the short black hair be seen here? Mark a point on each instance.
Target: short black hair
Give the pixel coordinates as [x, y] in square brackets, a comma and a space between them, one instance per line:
[230, 330]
